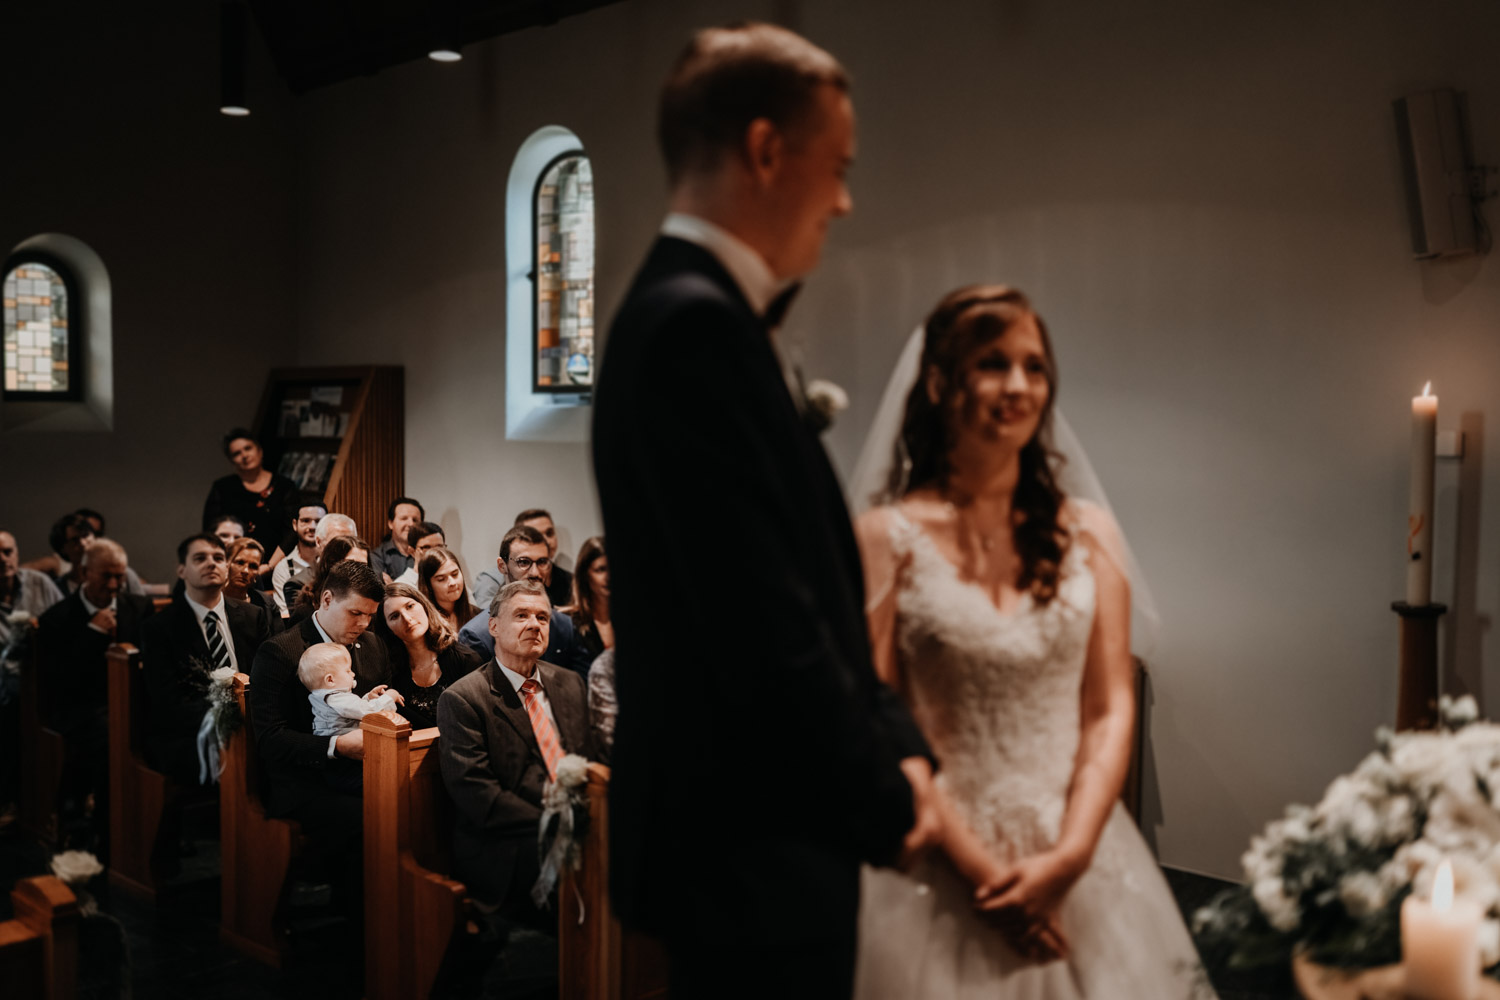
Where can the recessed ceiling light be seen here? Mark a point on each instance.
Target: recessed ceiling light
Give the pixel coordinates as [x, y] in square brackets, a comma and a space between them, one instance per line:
[445, 55]
[235, 110]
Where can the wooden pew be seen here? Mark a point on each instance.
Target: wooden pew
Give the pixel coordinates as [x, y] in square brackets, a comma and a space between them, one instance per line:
[412, 909]
[256, 851]
[42, 751]
[39, 947]
[139, 795]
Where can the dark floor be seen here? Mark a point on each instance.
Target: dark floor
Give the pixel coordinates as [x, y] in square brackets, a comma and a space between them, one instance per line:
[173, 951]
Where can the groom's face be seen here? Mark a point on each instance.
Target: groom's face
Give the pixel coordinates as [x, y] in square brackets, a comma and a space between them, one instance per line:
[809, 191]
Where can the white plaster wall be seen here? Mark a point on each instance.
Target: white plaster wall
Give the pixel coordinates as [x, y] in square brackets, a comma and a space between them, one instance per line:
[112, 135]
[1203, 200]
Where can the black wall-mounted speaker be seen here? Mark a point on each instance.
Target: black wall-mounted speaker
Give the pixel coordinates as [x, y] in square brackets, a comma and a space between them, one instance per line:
[1434, 158]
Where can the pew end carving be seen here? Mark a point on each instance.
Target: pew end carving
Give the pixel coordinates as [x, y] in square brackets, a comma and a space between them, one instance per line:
[256, 850]
[140, 794]
[39, 946]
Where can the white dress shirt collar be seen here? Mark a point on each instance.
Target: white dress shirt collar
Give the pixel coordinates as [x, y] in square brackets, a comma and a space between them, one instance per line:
[200, 611]
[319, 626]
[92, 608]
[749, 269]
[516, 680]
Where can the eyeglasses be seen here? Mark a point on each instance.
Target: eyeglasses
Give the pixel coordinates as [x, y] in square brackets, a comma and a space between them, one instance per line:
[524, 563]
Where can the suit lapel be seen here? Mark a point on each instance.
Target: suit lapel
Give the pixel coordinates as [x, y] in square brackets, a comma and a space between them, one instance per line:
[188, 628]
[565, 712]
[509, 707]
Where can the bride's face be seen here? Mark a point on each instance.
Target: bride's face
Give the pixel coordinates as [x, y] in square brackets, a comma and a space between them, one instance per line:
[1005, 387]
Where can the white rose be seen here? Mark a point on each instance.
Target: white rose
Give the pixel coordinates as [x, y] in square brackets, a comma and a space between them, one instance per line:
[18, 617]
[223, 675]
[75, 867]
[1280, 910]
[1489, 942]
[1364, 893]
[825, 401]
[572, 771]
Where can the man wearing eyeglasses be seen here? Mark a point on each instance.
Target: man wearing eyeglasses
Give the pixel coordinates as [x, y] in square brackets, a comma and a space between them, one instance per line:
[525, 555]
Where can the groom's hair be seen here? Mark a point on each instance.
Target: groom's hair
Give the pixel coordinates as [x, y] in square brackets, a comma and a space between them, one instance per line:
[728, 77]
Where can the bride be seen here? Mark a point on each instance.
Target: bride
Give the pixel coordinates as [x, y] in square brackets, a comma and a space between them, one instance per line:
[1000, 609]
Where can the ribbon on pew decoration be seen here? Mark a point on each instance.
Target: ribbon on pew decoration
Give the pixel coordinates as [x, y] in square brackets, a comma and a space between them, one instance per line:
[219, 723]
[564, 824]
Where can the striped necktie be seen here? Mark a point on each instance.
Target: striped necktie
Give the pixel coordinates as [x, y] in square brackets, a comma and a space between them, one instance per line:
[218, 652]
[541, 726]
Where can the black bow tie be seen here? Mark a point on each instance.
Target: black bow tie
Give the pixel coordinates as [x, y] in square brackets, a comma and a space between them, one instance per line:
[776, 312]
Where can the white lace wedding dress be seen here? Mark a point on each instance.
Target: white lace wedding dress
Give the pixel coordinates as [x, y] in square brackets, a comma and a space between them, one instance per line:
[997, 695]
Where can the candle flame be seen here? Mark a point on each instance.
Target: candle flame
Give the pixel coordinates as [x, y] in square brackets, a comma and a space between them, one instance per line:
[1442, 888]
[1427, 389]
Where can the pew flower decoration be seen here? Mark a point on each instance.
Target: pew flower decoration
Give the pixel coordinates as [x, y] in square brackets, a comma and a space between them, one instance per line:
[1327, 881]
[564, 824]
[18, 627]
[825, 401]
[75, 869]
[223, 705]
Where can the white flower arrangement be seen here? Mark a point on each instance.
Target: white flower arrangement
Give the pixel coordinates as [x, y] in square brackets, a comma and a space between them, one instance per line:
[18, 617]
[825, 401]
[1328, 881]
[75, 867]
[564, 824]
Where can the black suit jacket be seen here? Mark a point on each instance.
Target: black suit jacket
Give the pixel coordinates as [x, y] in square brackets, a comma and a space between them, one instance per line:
[494, 772]
[74, 677]
[175, 661]
[294, 759]
[756, 755]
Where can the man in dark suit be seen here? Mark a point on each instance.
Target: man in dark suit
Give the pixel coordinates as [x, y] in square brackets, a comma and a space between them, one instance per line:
[72, 637]
[198, 634]
[293, 759]
[504, 728]
[757, 759]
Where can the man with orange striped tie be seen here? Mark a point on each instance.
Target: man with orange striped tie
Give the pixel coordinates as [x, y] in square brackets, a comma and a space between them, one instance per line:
[504, 728]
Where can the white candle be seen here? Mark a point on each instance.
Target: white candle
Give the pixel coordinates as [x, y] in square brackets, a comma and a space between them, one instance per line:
[1440, 943]
[1419, 516]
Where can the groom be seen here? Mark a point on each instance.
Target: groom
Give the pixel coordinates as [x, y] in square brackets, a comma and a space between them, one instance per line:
[757, 760]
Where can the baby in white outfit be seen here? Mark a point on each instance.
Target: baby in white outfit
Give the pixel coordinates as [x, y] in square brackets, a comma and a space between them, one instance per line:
[328, 674]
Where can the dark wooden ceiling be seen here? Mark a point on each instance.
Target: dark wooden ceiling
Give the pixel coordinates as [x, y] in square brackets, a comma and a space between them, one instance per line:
[318, 42]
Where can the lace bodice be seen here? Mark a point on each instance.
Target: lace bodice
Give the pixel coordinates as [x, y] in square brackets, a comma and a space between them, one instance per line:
[997, 693]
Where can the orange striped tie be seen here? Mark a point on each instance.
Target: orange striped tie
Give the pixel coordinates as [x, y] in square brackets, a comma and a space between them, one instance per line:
[541, 726]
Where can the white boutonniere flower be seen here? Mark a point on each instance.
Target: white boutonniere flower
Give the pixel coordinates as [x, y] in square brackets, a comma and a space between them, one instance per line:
[825, 401]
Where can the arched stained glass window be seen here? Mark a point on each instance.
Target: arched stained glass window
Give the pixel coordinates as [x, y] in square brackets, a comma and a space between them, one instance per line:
[42, 337]
[563, 226]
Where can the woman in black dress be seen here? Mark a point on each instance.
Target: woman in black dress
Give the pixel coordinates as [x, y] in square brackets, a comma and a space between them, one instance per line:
[245, 556]
[590, 607]
[426, 655]
[264, 501]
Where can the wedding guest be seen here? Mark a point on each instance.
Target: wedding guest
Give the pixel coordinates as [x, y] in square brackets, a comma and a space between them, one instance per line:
[70, 535]
[394, 555]
[559, 582]
[29, 592]
[342, 548]
[422, 538]
[200, 632]
[327, 671]
[299, 550]
[228, 528]
[244, 557]
[440, 578]
[329, 526]
[523, 556]
[590, 607]
[293, 759]
[504, 728]
[262, 499]
[603, 705]
[73, 636]
[426, 656]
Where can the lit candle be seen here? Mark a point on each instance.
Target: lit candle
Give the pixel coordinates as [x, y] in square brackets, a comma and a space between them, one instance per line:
[1440, 943]
[1419, 518]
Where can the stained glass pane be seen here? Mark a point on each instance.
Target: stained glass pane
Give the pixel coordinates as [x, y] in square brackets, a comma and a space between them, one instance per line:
[36, 330]
[565, 276]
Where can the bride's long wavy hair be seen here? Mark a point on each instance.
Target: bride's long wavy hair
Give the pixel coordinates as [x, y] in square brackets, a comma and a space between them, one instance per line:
[964, 321]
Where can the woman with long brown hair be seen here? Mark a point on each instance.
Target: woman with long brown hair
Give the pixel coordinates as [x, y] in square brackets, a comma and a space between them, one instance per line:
[440, 578]
[590, 607]
[426, 655]
[1000, 609]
